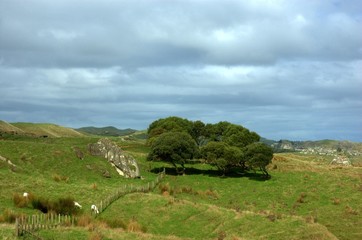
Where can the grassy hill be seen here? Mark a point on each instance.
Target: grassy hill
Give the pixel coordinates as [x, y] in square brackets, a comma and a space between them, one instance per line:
[37, 129]
[305, 199]
[286, 145]
[106, 131]
[6, 127]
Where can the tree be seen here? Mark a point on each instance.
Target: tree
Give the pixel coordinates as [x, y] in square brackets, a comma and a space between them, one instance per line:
[258, 155]
[169, 124]
[173, 147]
[198, 132]
[238, 136]
[221, 155]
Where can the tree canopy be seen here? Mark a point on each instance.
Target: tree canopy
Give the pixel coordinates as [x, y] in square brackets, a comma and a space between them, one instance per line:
[224, 145]
[173, 147]
[258, 155]
[221, 155]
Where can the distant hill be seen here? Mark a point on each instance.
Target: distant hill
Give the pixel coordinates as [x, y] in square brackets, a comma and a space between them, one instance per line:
[106, 131]
[37, 130]
[326, 146]
[8, 128]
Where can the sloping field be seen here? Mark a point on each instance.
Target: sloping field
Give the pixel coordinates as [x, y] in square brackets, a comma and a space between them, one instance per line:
[305, 199]
[170, 216]
[47, 129]
[8, 128]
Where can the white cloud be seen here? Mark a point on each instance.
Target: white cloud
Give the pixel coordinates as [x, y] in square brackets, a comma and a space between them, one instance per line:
[279, 67]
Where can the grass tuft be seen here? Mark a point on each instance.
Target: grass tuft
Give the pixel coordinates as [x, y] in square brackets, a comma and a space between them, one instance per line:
[59, 178]
[134, 226]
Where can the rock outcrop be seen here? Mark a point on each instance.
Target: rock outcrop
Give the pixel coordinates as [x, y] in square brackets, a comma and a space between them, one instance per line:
[125, 164]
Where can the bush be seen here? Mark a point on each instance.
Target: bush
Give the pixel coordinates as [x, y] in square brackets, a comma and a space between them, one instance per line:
[9, 216]
[41, 204]
[20, 201]
[64, 206]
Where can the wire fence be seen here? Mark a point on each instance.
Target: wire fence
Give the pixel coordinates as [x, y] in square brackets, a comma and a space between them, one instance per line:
[129, 189]
[37, 222]
[30, 224]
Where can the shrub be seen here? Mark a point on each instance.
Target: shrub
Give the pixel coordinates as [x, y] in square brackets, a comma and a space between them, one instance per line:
[21, 201]
[9, 216]
[64, 206]
[40, 204]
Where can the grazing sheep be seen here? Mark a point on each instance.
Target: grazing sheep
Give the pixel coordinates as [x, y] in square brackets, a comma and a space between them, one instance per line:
[94, 209]
[77, 205]
[25, 194]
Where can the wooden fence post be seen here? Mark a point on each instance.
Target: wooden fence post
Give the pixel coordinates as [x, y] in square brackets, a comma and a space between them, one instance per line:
[17, 227]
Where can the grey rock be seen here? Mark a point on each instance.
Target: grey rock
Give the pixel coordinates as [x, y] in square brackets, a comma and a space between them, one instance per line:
[124, 163]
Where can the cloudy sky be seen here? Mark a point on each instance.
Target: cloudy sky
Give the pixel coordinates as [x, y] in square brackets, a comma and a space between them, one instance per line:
[287, 69]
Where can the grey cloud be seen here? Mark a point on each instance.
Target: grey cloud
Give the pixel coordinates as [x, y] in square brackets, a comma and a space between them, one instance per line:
[286, 69]
[150, 33]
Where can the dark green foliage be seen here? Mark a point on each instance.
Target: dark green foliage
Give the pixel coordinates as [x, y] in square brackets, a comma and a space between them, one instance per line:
[170, 124]
[221, 144]
[238, 136]
[173, 147]
[258, 155]
[198, 132]
[64, 206]
[41, 204]
[221, 155]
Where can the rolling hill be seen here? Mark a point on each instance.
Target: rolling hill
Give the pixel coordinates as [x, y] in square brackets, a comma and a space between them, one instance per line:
[37, 130]
[106, 131]
[306, 198]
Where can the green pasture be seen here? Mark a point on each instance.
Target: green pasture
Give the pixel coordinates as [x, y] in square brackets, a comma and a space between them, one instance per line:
[305, 198]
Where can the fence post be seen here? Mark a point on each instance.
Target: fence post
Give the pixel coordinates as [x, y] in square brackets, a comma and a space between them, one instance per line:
[32, 222]
[17, 227]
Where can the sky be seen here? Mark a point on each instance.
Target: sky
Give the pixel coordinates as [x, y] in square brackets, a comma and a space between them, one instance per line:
[286, 69]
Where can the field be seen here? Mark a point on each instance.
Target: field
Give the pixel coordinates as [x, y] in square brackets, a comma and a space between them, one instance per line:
[306, 198]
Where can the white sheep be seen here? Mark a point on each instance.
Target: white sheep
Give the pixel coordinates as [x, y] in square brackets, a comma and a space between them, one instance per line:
[76, 204]
[25, 195]
[94, 209]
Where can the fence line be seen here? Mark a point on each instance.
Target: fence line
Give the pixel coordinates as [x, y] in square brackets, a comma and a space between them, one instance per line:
[130, 189]
[31, 223]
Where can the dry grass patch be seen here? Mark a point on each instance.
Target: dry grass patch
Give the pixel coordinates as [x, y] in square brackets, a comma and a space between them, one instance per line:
[134, 226]
[60, 178]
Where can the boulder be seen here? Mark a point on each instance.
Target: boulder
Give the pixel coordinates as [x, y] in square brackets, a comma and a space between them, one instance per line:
[124, 163]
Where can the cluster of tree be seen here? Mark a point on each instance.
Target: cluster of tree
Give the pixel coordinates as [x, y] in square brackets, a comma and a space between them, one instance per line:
[224, 145]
